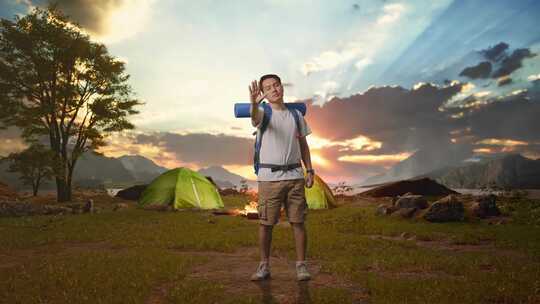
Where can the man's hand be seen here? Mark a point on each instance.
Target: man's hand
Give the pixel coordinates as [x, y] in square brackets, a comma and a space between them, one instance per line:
[255, 93]
[309, 180]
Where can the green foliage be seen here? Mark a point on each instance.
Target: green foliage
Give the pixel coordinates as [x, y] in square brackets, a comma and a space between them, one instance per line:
[56, 82]
[34, 164]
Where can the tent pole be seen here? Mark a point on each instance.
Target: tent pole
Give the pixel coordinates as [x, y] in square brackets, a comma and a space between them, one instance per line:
[195, 191]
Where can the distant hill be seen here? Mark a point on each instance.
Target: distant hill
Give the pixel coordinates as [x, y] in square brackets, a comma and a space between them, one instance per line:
[509, 171]
[91, 166]
[224, 178]
[92, 170]
[142, 168]
[422, 162]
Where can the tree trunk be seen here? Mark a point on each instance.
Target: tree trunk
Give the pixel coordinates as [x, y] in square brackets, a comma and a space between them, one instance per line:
[35, 187]
[62, 194]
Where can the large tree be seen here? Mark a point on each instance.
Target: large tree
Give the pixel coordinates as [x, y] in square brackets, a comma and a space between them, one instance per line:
[56, 82]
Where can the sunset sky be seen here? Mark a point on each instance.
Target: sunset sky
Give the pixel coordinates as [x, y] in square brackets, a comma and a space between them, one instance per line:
[382, 79]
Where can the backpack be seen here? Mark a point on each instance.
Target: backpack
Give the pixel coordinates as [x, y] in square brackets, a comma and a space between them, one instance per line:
[259, 134]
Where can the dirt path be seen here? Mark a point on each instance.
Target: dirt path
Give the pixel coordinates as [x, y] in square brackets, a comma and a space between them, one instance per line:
[233, 270]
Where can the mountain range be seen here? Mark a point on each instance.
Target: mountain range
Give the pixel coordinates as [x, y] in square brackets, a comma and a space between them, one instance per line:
[512, 171]
[460, 171]
[422, 162]
[93, 170]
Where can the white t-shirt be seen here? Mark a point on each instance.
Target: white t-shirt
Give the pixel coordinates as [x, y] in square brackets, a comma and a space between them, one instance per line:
[280, 145]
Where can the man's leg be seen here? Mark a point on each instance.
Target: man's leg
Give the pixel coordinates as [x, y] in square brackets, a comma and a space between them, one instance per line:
[265, 241]
[269, 204]
[300, 239]
[296, 211]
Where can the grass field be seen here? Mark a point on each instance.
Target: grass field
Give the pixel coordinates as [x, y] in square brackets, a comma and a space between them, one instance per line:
[139, 256]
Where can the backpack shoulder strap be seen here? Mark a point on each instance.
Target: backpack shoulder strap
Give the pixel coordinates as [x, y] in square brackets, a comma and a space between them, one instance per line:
[258, 139]
[294, 113]
[266, 117]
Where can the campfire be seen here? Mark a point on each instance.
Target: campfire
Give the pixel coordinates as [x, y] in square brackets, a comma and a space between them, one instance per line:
[249, 211]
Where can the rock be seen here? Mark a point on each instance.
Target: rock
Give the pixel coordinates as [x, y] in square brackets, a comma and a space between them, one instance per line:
[404, 212]
[486, 206]
[120, 206]
[405, 235]
[89, 206]
[51, 209]
[26, 209]
[383, 209]
[131, 193]
[412, 201]
[228, 191]
[421, 186]
[14, 208]
[447, 209]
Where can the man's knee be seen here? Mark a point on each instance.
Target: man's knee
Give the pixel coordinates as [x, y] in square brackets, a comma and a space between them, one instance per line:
[300, 226]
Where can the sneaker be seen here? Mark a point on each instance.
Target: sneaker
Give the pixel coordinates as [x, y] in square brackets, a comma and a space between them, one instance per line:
[262, 273]
[302, 273]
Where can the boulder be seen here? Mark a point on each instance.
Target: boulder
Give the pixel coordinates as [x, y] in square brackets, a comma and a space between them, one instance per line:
[131, 193]
[447, 209]
[383, 209]
[485, 206]
[120, 206]
[421, 186]
[89, 206]
[412, 201]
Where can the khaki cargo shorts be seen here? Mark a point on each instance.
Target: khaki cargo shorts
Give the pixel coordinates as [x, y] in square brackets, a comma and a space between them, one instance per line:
[287, 193]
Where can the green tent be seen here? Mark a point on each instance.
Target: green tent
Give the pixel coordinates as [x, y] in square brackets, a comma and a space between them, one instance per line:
[319, 196]
[182, 188]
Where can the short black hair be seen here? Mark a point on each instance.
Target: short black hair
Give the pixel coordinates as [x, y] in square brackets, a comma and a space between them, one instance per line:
[267, 76]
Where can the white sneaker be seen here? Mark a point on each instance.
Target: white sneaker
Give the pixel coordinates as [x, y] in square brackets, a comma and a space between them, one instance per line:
[302, 273]
[262, 273]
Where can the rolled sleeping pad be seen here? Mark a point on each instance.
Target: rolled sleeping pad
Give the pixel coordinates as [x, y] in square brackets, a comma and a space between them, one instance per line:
[244, 109]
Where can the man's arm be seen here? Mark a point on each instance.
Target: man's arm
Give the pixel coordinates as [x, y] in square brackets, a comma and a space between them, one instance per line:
[304, 150]
[255, 119]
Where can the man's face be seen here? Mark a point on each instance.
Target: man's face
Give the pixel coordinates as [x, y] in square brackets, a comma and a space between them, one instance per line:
[274, 89]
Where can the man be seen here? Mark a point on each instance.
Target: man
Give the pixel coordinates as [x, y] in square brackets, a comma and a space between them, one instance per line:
[280, 175]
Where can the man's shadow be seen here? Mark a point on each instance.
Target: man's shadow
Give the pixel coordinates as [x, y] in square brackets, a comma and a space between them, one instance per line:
[302, 292]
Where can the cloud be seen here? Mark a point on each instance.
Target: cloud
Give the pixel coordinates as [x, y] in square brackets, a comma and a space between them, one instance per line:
[401, 119]
[511, 117]
[202, 149]
[505, 80]
[360, 49]
[496, 52]
[533, 77]
[392, 12]
[512, 62]
[330, 59]
[106, 20]
[481, 70]
[380, 159]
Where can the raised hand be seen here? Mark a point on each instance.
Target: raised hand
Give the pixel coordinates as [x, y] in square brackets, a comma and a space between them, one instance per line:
[255, 93]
